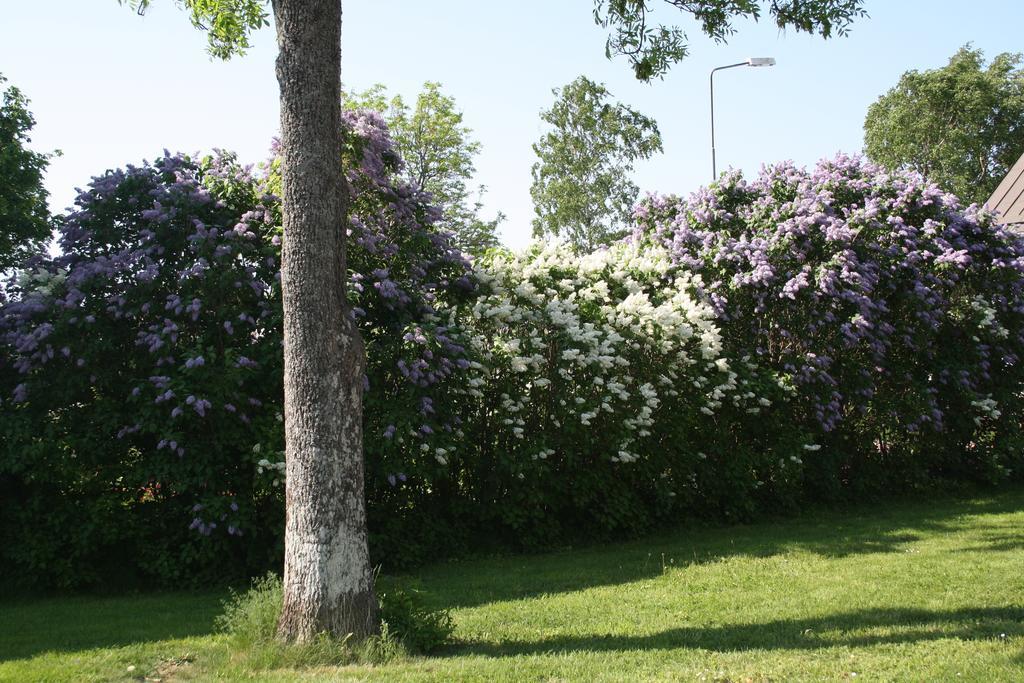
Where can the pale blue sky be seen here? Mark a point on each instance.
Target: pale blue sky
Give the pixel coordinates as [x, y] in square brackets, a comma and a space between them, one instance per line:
[110, 88]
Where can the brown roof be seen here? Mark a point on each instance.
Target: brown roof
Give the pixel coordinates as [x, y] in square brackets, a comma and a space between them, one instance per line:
[1008, 199]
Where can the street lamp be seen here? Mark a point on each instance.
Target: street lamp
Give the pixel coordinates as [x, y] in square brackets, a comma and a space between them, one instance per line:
[751, 61]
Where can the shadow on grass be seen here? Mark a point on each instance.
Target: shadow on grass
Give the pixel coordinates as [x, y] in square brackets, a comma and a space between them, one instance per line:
[68, 624]
[885, 528]
[29, 628]
[853, 629]
[1006, 541]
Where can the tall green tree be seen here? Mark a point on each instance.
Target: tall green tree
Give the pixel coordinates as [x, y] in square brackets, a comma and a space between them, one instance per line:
[328, 585]
[652, 48]
[582, 191]
[24, 217]
[961, 125]
[439, 152]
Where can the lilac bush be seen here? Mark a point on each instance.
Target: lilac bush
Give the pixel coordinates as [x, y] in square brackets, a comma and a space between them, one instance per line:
[894, 312]
[407, 282]
[406, 279]
[140, 353]
[596, 381]
[142, 366]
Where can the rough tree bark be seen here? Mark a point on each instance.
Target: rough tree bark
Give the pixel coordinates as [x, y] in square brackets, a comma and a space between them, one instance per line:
[328, 585]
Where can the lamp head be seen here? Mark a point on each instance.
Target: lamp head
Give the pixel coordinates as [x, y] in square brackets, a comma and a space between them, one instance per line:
[761, 61]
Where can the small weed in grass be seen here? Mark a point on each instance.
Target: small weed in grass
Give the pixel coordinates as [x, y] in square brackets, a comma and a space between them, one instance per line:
[250, 618]
[418, 628]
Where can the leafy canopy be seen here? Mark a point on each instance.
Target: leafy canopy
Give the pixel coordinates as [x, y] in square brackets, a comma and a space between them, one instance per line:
[24, 217]
[653, 48]
[438, 152]
[228, 23]
[961, 125]
[581, 187]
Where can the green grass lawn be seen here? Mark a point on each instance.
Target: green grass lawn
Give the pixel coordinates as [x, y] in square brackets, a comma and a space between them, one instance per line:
[915, 591]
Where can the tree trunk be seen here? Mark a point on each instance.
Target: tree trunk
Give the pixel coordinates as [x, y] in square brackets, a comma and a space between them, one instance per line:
[328, 585]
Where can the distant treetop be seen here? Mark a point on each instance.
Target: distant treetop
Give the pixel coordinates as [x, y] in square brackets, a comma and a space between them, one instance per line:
[24, 216]
[961, 125]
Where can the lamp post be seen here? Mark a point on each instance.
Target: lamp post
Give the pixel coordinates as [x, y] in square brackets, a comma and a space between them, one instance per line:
[751, 61]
